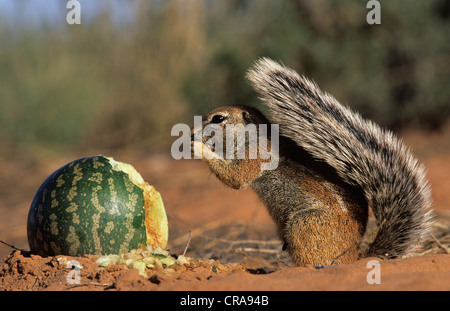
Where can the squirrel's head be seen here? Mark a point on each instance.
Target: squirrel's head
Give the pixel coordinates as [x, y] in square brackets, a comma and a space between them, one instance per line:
[235, 115]
[225, 128]
[228, 140]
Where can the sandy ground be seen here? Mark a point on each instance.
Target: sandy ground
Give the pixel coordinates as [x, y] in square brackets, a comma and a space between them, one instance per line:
[234, 242]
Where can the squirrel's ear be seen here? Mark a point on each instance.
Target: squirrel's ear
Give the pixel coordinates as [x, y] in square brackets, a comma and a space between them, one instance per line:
[247, 117]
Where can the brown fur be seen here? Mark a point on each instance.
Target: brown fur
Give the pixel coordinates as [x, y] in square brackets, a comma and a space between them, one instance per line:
[320, 218]
[333, 165]
[321, 222]
[362, 154]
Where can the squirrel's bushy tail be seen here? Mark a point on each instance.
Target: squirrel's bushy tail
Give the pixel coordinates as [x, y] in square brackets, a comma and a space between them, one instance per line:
[362, 153]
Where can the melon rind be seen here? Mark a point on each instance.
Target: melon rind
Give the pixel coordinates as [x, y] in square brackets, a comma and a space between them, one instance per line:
[94, 205]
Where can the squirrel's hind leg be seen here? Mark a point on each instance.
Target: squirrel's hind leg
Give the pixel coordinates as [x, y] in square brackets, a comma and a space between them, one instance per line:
[316, 236]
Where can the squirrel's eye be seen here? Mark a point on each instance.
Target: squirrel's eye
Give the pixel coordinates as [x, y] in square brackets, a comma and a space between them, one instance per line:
[217, 119]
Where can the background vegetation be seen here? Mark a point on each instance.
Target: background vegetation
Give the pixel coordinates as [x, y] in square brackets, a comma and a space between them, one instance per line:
[110, 84]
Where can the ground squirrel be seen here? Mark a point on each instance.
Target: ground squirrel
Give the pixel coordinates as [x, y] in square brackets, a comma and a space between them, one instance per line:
[333, 165]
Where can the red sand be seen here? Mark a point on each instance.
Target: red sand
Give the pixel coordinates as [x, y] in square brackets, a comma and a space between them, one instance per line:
[224, 225]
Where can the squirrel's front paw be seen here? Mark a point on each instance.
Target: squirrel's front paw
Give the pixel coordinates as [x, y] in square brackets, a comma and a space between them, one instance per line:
[199, 151]
[196, 149]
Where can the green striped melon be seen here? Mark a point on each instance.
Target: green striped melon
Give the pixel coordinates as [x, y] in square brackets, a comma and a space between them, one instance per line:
[95, 205]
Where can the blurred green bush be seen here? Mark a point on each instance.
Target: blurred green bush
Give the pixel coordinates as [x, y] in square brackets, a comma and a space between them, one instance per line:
[106, 84]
